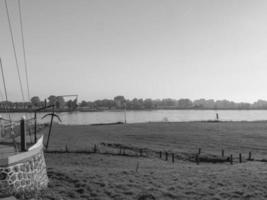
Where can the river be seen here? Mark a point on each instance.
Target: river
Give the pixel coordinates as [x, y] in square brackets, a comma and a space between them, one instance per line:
[150, 116]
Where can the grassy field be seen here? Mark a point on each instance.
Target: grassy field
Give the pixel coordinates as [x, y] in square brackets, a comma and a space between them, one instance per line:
[101, 176]
[233, 137]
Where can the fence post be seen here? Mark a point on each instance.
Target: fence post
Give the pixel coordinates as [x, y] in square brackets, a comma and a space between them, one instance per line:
[199, 150]
[231, 159]
[95, 148]
[197, 159]
[66, 148]
[172, 157]
[240, 158]
[222, 153]
[35, 127]
[22, 135]
[166, 156]
[160, 154]
[249, 156]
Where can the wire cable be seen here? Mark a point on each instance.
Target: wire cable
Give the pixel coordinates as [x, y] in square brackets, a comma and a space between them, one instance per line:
[24, 51]
[14, 50]
[1, 95]
[4, 84]
[12, 130]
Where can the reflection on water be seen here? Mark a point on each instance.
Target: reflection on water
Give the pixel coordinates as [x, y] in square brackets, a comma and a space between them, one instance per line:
[150, 116]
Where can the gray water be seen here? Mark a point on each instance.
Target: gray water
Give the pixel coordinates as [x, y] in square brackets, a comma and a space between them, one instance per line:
[151, 116]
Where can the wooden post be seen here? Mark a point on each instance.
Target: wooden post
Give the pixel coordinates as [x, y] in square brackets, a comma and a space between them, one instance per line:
[231, 159]
[141, 152]
[199, 150]
[249, 156]
[160, 154]
[222, 153]
[50, 127]
[23, 146]
[197, 159]
[125, 121]
[240, 158]
[35, 127]
[166, 156]
[66, 149]
[172, 157]
[95, 148]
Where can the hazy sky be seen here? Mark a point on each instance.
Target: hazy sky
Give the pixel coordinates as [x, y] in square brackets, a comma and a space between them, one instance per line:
[139, 48]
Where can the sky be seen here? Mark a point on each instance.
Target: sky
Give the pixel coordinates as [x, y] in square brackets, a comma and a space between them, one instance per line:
[141, 48]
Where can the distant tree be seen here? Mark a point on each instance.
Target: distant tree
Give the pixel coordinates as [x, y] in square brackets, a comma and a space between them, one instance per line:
[199, 103]
[60, 102]
[260, 104]
[69, 104]
[129, 104]
[119, 101]
[52, 100]
[36, 101]
[137, 104]
[156, 103]
[109, 103]
[243, 106]
[148, 103]
[168, 102]
[224, 104]
[91, 105]
[72, 105]
[185, 103]
[210, 103]
[203, 103]
[83, 104]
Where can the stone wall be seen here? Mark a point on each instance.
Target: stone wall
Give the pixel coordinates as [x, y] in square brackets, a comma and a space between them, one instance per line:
[23, 176]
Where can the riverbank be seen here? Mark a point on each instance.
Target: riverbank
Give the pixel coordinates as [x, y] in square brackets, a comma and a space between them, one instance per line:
[112, 176]
[233, 137]
[81, 109]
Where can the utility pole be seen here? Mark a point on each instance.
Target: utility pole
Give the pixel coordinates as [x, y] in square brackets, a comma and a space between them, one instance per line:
[125, 113]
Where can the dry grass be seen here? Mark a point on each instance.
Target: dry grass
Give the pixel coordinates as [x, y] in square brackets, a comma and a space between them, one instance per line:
[96, 176]
[102, 177]
[233, 137]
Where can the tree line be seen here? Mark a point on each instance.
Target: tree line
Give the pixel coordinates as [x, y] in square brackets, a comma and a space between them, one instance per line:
[35, 103]
[120, 102]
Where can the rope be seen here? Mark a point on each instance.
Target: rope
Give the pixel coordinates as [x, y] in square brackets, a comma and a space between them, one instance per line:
[4, 83]
[24, 52]
[25, 61]
[14, 50]
[1, 95]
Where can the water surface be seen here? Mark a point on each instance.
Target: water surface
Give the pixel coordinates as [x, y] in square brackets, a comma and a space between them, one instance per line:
[151, 116]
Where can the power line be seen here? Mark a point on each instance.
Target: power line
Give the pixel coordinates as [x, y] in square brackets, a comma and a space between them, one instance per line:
[14, 50]
[4, 84]
[24, 52]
